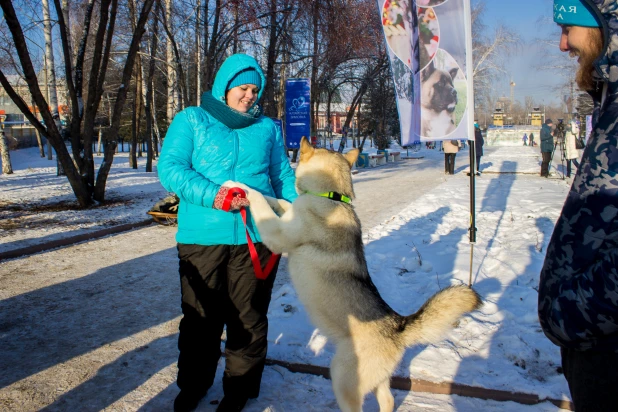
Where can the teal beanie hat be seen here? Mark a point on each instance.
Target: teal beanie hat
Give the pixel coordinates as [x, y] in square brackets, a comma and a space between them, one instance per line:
[575, 13]
[249, 76]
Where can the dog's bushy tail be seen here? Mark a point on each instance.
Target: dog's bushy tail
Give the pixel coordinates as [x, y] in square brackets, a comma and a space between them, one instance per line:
[439, 314]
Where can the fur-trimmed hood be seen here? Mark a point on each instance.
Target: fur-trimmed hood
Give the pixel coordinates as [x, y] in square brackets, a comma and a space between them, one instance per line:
[607, 63]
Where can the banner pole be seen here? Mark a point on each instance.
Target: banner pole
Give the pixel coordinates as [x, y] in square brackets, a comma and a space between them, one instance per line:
[472, 228]
[470, 118]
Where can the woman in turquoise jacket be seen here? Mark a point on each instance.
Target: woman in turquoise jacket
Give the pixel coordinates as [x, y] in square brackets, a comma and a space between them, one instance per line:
[225, 138]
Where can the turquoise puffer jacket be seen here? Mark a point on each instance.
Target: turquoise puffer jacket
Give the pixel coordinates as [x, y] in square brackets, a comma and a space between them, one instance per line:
[200, 153]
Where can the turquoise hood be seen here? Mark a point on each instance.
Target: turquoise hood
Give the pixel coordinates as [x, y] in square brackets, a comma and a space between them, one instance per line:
[229, 69]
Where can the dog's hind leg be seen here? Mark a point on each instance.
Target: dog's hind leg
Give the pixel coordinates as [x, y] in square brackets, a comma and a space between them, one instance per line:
[384, 396]
[344, 374]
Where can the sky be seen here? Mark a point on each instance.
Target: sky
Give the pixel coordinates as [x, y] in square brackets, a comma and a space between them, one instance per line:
[533, 20]
[106, 355]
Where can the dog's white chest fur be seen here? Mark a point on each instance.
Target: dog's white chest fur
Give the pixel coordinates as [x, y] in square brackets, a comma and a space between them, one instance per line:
[437, 124]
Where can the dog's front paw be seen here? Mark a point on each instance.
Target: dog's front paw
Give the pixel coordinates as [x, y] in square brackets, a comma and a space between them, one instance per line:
[282, 207]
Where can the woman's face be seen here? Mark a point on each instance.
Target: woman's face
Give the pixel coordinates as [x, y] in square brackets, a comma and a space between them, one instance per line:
[242, 97]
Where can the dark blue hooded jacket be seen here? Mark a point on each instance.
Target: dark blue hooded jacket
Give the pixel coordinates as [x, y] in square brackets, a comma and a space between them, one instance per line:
[578, 291]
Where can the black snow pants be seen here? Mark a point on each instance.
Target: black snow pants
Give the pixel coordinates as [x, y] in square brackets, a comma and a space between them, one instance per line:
[592, 377]
[449, 163]
[545, 164]
[219, 288]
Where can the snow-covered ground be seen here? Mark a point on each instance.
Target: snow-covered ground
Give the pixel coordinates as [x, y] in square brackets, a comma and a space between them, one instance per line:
[94, 326]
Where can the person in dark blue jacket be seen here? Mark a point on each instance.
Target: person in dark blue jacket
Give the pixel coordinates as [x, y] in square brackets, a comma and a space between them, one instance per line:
[547, 146]
[578, 290]
[226, 138]
[479, 142]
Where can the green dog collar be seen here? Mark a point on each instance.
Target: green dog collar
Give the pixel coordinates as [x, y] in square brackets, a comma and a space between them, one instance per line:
[333, 196]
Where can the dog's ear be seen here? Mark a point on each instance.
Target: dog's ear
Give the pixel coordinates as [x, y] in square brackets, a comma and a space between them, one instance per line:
[351, 156]
[306, 150]
[453, 72]
[428, 71]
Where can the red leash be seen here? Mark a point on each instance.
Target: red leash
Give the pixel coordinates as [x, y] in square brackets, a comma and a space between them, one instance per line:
[255, 259]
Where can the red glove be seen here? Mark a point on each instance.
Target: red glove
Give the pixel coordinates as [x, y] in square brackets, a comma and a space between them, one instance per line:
[236, 203]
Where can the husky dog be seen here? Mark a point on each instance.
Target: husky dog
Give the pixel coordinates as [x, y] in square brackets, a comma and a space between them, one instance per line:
[438, 101]
[322, 236]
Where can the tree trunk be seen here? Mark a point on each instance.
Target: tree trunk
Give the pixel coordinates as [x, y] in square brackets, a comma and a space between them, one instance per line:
[100, 142]
[235, 28]
[74, 76]
[270, 108]
[314, 67]
[181, 79]
[158, 139]
[103, 47]
[51, 73]
[49, 145]
[7, 168]
[39, 142]
[136, 97]
[133, 146]
[209, 74]
[111, 134]
[198, 53]
[67, 24]
[38, 134]
[172, 87]
[360, 146]
[205, 45]
[149, 86]
[139, 95]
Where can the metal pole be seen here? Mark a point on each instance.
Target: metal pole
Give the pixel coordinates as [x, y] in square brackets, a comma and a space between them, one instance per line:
[472, 228]
[470, 118]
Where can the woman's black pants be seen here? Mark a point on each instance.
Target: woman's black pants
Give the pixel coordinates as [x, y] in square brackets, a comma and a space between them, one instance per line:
[219, 287]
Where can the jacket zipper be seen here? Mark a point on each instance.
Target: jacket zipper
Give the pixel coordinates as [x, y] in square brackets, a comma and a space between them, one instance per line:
[234, 179]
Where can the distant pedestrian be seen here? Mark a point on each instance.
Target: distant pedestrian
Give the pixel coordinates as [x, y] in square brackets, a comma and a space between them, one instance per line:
[478, 146]
[547, 146]
[450, 147]
[525, 139]
[532, 139]
[571, 154]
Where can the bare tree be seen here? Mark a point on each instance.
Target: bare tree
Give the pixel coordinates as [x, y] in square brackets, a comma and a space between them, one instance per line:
[172, 78]
[51, 74]
[150, 120]
[489, 52]
[81, 173]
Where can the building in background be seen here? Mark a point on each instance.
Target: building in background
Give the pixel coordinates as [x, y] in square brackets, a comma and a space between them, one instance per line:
[16, 124]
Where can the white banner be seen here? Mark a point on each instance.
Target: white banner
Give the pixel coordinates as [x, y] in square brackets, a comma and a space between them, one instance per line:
[428, 42]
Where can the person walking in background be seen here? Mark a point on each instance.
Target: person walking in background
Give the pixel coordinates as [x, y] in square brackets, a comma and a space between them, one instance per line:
[571, 154]
[525, 139]
[578, 288]
[478, 146]
[532, 139]
[450, 147]
[225, 138]
[547, 146]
